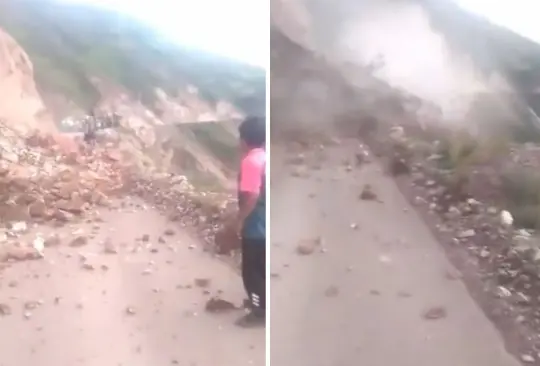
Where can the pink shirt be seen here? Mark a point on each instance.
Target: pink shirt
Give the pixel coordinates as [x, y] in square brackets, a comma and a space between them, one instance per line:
[252, 170]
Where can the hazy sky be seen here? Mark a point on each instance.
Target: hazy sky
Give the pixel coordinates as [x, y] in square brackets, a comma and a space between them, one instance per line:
[239, 28]
[521, 16]
[233, 28]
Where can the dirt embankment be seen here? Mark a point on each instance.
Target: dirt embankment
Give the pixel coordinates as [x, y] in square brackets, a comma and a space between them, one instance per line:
[21, 103]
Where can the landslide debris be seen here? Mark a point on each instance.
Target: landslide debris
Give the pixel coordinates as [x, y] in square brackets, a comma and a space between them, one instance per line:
[41, 183]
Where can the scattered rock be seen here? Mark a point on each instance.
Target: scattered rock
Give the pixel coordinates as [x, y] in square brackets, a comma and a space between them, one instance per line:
[5, 309]
[469, 233]
[202, 282]
[367, 194]
[503, 292]
[217, 305]
[79, 241]
[109, 247]
[53, 240]
[332, 291]
[506, 218]
[38, 209]
[308, 246]
[527, 358]
[435, 313]
[31, 305]
[398, 166]
[88, 266]
[169, 232]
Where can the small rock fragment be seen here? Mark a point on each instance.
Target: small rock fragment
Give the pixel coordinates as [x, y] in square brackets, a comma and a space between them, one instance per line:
[5, 309]
[466, 234]
[506, 218]
[434, 313]
[331, 291]
[367, 194]
[79, 241]
[202, 282]
[308, 246]
[503, 292]
[52, 241]
[217, 305]
[527, 358]
[109, 248]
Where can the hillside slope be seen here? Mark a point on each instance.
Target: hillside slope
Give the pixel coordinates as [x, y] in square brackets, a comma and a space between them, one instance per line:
[59, 59]
[72, 45]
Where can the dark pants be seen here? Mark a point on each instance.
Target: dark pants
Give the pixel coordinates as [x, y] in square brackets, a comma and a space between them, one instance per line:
[254, 271]
[90, 137]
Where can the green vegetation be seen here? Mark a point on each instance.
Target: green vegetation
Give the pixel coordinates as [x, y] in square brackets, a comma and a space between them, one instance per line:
[219, 141]
[68, 44]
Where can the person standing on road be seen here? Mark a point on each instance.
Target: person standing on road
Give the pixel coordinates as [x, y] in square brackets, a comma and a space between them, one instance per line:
[251, 220]
[90, 127]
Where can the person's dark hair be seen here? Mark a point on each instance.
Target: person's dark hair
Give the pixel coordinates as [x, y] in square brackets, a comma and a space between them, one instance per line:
[253, 131]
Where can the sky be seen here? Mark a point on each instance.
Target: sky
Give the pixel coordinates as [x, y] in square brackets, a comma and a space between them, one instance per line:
[234, 28]
[239, 29]
[520, 16]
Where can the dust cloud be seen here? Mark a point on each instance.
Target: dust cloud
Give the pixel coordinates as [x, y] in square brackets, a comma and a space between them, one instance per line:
[395, 42]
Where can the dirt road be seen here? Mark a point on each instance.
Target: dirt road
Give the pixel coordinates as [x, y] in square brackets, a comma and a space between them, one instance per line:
[365, 294]
[140, 306]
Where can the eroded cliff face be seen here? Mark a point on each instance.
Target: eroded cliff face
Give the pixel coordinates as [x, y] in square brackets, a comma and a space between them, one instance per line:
[144, 137]
[21, 105]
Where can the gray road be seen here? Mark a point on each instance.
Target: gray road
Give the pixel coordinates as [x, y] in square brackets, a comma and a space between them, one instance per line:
[83, 319]
[361, 300]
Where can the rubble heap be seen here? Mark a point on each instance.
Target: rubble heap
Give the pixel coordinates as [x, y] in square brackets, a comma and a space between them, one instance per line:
[47, 179]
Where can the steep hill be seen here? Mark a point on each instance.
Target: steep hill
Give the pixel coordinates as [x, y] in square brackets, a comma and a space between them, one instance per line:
[71, 45]
[59, 59]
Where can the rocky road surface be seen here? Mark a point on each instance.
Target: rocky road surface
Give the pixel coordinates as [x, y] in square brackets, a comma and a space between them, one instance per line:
[363, 281]
[117, 294]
